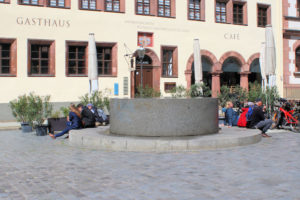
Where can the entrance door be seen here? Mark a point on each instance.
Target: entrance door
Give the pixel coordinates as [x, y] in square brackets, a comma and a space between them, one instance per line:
[147, 77]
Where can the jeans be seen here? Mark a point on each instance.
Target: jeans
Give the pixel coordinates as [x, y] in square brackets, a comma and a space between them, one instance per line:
[264, 125]
[66, 130]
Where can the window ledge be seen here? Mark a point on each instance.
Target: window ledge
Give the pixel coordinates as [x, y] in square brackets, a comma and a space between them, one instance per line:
[223, 22]
[5, 2]
[197, 20]
[240, 24]
[145, 15]
[8, 75]
[166, 17]
[107, 76]
[169, 76]
[87, 9]
[292, 18]
[77, 75]
[23, 4]
[41, 75]
[111, 11]
[59, 7]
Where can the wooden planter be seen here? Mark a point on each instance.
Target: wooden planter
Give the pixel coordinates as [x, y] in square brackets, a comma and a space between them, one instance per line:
[57, 124]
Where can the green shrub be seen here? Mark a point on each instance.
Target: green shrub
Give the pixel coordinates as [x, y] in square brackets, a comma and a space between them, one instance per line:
[65, 111]
[96, 98]
[39, 108]
[147, 92]
[56, 114]
[239, 94]
[179, 92]
[199, 90]
[19, 108]
[255, 91]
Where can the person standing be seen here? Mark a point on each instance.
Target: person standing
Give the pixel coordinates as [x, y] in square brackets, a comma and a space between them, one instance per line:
[258, 120]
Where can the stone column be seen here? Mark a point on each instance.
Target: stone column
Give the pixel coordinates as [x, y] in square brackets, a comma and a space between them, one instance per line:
[188, 78]
[215, 88]
[244, 80]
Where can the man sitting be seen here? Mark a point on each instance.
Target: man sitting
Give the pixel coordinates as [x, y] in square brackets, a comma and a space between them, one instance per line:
[87, 116]
[258, 120]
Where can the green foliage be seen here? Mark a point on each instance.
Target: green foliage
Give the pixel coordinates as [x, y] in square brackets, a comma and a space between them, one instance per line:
[255, 91]
[147, 92]
[239, 94]
[65, 111]
[39, 108]
[197, 90]
[179, 92]
[270, 96]
[97, 99]
[19, 108]
[56, 114]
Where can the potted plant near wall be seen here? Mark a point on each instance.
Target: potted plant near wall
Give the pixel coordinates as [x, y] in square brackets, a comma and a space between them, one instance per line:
[40, 108]
[19, 109]
[56, 122]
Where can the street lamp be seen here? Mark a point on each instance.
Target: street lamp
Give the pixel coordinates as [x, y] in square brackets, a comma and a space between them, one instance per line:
[141, 53]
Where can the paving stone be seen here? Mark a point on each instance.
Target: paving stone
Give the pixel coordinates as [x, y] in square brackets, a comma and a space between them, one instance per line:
[33, 167]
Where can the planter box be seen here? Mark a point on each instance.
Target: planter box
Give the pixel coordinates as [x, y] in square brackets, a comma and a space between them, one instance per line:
[26, 128]
[41, 130]
[57, 124]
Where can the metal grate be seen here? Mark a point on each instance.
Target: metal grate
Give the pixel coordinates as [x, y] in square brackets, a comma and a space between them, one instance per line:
[125, 85]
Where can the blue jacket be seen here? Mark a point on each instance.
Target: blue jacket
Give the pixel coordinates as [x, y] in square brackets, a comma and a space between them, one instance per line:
[75, 121]
[231, 117]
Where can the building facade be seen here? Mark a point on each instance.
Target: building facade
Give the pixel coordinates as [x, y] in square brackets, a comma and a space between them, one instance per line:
[44, 44]
[291, 49]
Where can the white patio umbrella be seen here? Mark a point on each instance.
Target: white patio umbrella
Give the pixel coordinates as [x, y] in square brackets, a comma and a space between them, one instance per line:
[262, 65]
[270, 56]
[92, 65]
[197, 62]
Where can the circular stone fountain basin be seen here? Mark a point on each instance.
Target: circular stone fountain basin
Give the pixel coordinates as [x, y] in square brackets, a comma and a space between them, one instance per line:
[164, 117]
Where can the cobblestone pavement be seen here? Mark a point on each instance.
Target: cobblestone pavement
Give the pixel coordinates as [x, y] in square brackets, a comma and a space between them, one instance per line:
[33, 167]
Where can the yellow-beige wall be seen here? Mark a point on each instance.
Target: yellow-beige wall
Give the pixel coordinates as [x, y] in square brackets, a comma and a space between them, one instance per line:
[122, 29]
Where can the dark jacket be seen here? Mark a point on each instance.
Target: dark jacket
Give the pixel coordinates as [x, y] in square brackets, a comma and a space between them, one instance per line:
[257, 116]
[88, 118]
[74, 121]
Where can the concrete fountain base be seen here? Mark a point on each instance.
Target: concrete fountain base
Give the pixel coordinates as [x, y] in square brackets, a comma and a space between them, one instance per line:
[100, 138]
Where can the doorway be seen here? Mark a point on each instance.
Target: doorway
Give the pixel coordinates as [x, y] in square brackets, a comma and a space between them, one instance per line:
[147, 73]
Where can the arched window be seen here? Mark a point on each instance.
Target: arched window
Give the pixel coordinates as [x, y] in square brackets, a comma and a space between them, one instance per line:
[231, 72]
[206, 71]
[255, 74]
[298, 59]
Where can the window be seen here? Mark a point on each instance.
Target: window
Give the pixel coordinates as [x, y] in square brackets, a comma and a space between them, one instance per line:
[57, 3]
[30, 2]
[169, 86]
[4, 1]
[104, 57]
[194, 9]
[112, 5]
[262, 18]
[76, 60]
[169, 58]
[298, 59]
[88, 4]
[143, 7]
[221, 11]
[164, 8]
[39, 61]
[5, 58]
[238, 13]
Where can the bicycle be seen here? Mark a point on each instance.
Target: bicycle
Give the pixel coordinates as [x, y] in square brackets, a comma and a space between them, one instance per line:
[285, 117]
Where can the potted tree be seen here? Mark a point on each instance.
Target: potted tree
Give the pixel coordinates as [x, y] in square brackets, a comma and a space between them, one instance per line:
[19, 109]
[56, 122]
[40, 108]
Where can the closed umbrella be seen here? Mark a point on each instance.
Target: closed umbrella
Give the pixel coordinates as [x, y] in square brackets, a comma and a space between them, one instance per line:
[92, 65]
[270, 56]
[197, 62]
[262, 65]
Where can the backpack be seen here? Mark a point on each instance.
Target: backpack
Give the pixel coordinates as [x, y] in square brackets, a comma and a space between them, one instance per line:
[249, 113]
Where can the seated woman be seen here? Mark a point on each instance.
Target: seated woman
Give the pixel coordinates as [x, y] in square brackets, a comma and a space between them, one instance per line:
[74, 122]
[231, 117]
